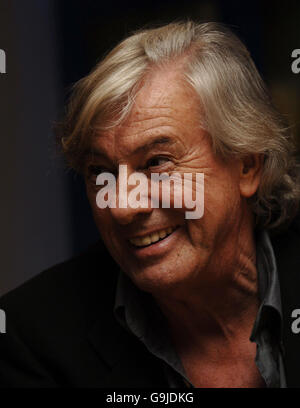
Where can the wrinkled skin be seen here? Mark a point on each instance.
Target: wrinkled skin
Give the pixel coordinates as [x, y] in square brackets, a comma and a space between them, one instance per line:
[202, 251]
[203, 276]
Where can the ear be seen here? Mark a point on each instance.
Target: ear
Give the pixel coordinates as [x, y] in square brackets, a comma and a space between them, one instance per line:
[250, 174]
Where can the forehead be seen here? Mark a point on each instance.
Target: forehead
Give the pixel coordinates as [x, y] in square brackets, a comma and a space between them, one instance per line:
[164, 106]
[163, 92]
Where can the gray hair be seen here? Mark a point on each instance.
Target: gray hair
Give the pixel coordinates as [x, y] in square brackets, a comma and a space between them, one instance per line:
[236, 109]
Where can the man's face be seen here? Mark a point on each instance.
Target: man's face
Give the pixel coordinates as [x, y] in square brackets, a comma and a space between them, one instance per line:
[162, 134]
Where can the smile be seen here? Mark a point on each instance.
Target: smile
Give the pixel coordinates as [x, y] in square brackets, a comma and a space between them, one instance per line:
[152, 238]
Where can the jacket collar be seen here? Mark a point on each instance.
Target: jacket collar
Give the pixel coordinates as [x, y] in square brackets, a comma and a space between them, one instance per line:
[129, 363]
[286, 248]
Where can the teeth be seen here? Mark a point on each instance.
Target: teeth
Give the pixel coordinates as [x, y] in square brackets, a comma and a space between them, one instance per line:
[151, 238]
[162, 233]
[146, 240]
[154, 237]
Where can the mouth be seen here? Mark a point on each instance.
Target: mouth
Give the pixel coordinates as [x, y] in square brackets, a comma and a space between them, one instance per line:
[153, 238]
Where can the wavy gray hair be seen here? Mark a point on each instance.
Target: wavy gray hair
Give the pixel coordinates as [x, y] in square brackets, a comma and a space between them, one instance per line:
[236, 109]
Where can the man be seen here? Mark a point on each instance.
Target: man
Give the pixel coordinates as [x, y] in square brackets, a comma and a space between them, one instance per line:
[203, 302]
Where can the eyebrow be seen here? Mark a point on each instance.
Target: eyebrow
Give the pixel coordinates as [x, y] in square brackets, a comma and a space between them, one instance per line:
[159, 140]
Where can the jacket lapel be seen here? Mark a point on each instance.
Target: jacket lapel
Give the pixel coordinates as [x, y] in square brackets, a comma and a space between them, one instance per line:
[129, 363]
[287, 252]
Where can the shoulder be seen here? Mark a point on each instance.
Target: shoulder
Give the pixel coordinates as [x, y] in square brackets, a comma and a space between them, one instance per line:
[286, 244]
[74, 285]
[48, 320]
[286, 247]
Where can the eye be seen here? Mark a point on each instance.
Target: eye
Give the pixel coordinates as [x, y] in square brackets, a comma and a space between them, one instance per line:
[157, 161]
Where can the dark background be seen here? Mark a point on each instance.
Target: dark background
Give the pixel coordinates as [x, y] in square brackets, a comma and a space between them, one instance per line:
[49, 45]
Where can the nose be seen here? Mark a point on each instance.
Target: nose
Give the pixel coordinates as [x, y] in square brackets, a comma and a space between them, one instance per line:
[132, 198]
[128, 215]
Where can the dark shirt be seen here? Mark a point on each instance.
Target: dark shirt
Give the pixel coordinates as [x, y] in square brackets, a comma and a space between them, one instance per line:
[138, 313]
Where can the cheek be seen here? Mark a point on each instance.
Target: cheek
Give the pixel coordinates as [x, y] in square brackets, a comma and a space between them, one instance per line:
[103, 220]
[221, 190]
[183, 192]
[205, 196]
[108, 235]
[222, 209]
[101, 217]
[222, 203]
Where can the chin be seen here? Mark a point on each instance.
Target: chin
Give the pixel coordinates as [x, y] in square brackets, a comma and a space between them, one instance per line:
[159, 278]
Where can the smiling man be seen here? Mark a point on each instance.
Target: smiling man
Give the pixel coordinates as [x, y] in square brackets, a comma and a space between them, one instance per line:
[203, 301]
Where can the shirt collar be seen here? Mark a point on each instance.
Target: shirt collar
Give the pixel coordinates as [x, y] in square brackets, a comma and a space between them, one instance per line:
[270, 310]
[137, 312]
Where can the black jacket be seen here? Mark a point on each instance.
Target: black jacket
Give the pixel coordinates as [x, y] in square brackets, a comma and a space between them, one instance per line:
[61, 330]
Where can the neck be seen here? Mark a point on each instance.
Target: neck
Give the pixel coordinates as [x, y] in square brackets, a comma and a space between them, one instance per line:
[223, 311]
